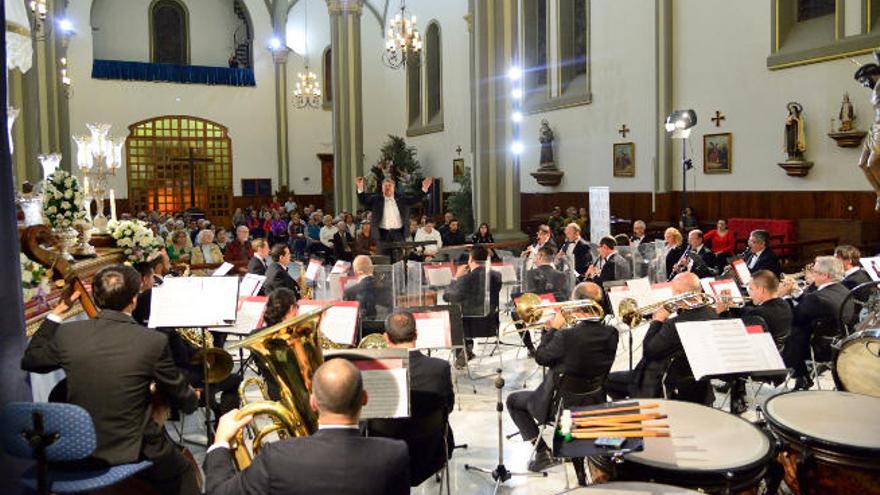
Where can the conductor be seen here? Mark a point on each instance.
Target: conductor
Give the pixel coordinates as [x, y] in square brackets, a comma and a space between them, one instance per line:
[390, 210]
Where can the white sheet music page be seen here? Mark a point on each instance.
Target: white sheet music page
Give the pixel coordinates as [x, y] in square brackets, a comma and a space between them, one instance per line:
[194, 302]
[433, 330]
[339, 323]
[249, 318]
[312, 270]
[385, 373]
[742, 271]
[720, 347]
[222, 269]
[341, 267]
[251, 284]
[439, 276]
[872, 266]
[726, 289]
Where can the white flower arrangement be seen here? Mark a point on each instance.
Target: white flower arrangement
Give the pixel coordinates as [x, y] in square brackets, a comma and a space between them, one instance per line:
[135, 238]
[62, 200]
[34, 278]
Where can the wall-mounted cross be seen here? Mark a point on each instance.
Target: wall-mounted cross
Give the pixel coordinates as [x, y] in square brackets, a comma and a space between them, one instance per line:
[623, 131]
[718, 118]
[458, 150]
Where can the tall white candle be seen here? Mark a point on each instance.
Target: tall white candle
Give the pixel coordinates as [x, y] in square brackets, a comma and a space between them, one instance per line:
[112, 205]
[85, 186]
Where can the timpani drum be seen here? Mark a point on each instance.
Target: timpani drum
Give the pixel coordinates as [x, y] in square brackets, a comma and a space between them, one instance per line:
[857, 363]
[830, 441]
[707, 450]
[632, 488]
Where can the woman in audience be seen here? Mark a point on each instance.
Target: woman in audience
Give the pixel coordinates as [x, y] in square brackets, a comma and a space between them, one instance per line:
[349, 224]
[221, 238]
[206, 253]
[483, 235]
[721, 241]
[363, 243]
[674, 248]
[276, 227]
[238, 218]
[177, 249]
[296, 232]
[254, 225]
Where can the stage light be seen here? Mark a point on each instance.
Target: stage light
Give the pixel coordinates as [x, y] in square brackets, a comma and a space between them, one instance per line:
[680, 122]
[65, 25]
[516, 94]
[515, 73]
[517, 148]
[516, 117]
[274, 44]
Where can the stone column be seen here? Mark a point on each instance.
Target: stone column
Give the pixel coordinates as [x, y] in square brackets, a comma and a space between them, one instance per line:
[280, 57]
[348, 119]
[496, 169]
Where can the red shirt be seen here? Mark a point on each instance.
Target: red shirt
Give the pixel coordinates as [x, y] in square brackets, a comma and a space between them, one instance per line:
[238, 254]
[725, 244]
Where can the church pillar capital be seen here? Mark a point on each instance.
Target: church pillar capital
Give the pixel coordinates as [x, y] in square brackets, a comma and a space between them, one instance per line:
[350, 7]
[281, 55]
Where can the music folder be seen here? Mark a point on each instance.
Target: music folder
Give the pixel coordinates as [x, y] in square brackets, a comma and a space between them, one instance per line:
[438, 327]
[385, 373]
[439, 275]
[251, 284]
[195, 302]
[872, 266]
[742, 271]
[726, 347]
[249, 317]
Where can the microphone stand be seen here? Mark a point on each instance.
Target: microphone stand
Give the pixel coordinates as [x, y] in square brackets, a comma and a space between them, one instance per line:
[500, 474]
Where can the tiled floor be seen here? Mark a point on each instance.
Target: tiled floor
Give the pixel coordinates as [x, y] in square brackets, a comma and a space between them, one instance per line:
[474, 422]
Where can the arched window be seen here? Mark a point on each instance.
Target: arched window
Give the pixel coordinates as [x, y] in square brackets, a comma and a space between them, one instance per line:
[169, 36]
[433, 75]
[327, 62]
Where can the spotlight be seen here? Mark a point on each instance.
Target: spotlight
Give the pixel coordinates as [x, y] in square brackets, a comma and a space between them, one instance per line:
[516, 148]
[516, 94]
[65, 25]
[516, 117]
[274, 44]
[680, 122]
[515, 73]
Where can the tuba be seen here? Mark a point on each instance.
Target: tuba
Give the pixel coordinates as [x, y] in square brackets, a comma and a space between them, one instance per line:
[291, 352]
[219, 361]
[373, 341]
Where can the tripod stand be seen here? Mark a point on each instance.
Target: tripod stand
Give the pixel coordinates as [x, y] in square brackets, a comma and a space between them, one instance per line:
[500, 474]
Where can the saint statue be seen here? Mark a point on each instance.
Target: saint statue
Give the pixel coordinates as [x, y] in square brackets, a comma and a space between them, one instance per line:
[868, 75]
[795, 140]
[546, 138]
[847, 114]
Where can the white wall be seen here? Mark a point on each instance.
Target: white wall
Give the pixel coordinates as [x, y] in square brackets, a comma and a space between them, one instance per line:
[120, 30]
[248, 112]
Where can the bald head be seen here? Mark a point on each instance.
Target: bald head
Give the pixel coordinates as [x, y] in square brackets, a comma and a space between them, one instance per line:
[362, 265]
[338, 388]
[686, 282]
[587, 290]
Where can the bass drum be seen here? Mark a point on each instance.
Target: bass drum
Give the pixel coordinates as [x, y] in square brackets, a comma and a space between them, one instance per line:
[708, 450]
[830, 441]
[634, 488]
[857, 363]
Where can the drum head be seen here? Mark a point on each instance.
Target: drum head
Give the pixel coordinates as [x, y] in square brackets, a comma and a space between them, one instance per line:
[857, 365]
[835, 418]
[703, 440]
[632, 488]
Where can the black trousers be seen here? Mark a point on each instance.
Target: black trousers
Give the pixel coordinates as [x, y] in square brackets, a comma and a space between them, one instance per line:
[518, 408]
[797, 350]
[172, 474]
[617, 384]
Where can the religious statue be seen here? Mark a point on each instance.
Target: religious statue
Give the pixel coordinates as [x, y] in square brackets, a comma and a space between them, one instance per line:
[795, 142]
[869, 76]
[847, 136]
[846, 115]
[548, 174]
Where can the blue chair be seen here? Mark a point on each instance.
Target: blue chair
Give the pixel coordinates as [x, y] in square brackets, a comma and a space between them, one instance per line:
[57, 433]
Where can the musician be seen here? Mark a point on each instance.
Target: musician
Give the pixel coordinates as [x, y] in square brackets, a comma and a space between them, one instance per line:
[365, 291]
[697, 258]
[277, 275]
[760, 256]
[545, 278]
[816, 308]
[542, 237]
[239, 251]
[259, 263]
[430, 383]
[390, 209]
[110, 362]
[639, 234]
[468, 289]
[576, 247]
[584, 352]
[336, 459]
[675, 249]
[610, 265]
[428, 233]
[280, 306]
[161, 265]
[853, 273]
[144, 298]
[660, 344]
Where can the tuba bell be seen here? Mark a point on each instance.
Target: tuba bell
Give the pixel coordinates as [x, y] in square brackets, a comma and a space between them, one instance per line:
[291, 352]
[220, 362]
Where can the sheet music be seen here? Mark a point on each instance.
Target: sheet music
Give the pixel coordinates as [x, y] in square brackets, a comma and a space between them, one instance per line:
[385, 374]
[251, 284]
[872, 266]
[312, 270]
[433, 330]
[339, 323]
[507, 271]
[658, 293]
[194, 302]
[600, 213]
[222, 269]
[727, 289]
[721, 347]
[639, 285]
[250, 316]
[438, 276]
[742, 271]
[704, 283]
[340, 268]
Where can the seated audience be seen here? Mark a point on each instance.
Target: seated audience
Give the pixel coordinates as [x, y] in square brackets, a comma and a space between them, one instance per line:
[428, 233]
[556, 221]
[688, 220]
[454, 236]
[336, 459]
[178, 252]
[722, 242]
[239, 251]
[221, 238]
[363, 242]
[296, 232]
[448, 217]
[482, 235]
[343, 243]
[327, 233]
[205, 252]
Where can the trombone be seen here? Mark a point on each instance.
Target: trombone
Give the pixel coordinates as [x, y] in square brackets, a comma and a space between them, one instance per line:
[530, 309]
[632, 314]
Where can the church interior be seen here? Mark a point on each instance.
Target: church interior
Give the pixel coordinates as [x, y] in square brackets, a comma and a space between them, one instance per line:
[466, 246]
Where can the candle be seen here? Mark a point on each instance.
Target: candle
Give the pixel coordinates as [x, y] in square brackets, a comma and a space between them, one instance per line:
[85, 186]
[112, 205]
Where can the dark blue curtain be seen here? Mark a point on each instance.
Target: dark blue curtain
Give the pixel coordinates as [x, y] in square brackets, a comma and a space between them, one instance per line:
[191, 74]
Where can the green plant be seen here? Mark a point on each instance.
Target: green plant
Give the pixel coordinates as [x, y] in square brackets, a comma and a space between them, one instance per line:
[398, 161]
[460, 203]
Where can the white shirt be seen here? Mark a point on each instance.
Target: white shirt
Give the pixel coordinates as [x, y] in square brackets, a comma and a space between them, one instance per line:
[754, 259]
[422, 235]
[326, 235]
[290, 206]
[391, 215]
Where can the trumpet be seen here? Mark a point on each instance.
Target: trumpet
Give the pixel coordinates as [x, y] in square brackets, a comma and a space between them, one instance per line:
[530, 308]
[734, 302]
[630, 313]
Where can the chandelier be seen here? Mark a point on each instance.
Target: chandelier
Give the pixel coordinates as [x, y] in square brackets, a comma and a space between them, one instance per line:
[99, 157]
[402, 39]
[307, 93]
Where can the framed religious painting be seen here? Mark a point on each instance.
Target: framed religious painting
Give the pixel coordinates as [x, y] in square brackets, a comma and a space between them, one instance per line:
[624, 159]
[457, 168]
[717, 153]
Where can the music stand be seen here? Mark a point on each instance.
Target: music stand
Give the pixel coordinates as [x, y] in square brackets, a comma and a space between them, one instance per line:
[456, 333]
[400, 249]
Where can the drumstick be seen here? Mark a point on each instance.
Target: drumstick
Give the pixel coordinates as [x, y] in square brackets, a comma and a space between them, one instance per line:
[585, 424]
[623, 418]
[619, 428]
[592, 412]
[619, 434]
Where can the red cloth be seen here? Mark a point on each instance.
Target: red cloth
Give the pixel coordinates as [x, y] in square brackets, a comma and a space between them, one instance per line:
[720, 244]
[741, 227]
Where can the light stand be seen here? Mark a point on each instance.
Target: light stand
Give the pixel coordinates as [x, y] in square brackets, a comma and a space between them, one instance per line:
[679, 124]
[209, 428]
[500, 474]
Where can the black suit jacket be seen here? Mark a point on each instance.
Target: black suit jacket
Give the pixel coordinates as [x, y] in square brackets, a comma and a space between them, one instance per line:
[376, 204]
[545, 279]
[766, 261]
[277, 276]
[674, 256]
[660, 344]
[616, 267]
[336, 461]
[855, 279]
[469, 292]
[110, 362]
[704, 266]
[431, 375]
[365, 293]
[256, 266]
[339, 250]
[585, 351]
[819, 308]
[582, 256]
[778, 316]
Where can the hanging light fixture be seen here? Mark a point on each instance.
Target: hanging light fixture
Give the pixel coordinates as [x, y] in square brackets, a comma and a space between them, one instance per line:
[402, 39]
[307, 93]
